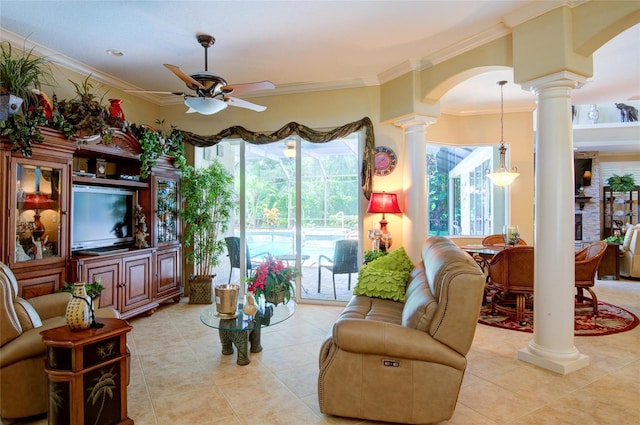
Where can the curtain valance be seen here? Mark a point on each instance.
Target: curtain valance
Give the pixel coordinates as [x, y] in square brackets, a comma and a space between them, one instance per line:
[305, 133]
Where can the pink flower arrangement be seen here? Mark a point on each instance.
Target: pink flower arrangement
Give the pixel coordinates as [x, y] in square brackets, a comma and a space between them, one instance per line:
[273, 276]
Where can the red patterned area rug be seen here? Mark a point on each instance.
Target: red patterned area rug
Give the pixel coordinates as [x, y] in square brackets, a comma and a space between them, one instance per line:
[610, 319]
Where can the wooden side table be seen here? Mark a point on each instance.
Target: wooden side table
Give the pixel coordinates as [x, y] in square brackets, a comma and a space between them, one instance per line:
[610, 264]
[87, 373]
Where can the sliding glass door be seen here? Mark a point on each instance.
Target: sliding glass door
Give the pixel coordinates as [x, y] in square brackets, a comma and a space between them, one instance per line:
[296, 199]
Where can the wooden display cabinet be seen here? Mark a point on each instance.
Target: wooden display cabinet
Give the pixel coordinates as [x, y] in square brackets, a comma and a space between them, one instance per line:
[619, 209]
[34, 213]
[163, 202]
[127, 277]
[88, 374]
[36, 220]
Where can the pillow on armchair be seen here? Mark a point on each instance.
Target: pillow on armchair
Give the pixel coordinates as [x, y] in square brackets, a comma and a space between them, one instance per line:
[385, 277]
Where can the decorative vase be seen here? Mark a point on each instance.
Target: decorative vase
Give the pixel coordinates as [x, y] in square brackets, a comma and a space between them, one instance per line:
[227, 299]
[78, 314]
[115, 110]
[510, 235]
[594, 114]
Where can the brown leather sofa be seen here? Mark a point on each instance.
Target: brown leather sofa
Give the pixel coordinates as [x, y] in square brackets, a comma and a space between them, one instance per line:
[23, 382]
[403, 362]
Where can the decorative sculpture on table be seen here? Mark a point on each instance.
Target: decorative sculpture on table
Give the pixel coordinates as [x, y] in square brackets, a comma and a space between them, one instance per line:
[628, 113]
[141, 228]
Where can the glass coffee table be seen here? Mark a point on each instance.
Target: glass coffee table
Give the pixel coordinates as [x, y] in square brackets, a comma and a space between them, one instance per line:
[242, 329]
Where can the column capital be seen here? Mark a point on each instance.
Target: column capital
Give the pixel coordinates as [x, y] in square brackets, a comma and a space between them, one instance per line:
[414, 120]
[563, 79]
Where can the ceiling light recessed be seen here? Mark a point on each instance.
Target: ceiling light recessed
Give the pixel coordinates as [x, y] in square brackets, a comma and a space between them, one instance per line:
[114, 52]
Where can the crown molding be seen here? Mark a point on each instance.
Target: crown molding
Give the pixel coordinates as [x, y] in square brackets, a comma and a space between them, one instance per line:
[58, 59]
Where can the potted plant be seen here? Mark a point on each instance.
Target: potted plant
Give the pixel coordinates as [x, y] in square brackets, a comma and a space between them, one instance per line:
[622, 183]
[86, 113]
[19, 73]
[369, 256]
[273, 279]
[207, 195]
[93, 289]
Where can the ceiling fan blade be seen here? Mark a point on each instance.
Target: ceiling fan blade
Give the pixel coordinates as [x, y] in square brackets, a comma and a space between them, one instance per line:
[247, 87]
[184, 77]
[234, 101]
[177, 93]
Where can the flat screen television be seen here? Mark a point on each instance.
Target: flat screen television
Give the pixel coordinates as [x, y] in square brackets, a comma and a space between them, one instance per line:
[101, 217]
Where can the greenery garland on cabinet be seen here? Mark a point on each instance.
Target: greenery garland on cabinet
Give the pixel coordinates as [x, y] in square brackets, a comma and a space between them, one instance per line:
[155, 143]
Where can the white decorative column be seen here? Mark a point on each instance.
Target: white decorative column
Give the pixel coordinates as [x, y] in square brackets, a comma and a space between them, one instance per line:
[552, 346]
[414, 224]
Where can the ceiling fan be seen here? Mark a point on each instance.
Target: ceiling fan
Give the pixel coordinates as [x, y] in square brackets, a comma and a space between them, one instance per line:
[212, 93]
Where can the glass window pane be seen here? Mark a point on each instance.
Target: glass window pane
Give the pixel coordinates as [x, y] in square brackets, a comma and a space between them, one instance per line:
[461, 199]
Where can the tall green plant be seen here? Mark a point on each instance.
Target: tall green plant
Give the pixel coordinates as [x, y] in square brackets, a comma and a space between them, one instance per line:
[207, 195]
[19, 73]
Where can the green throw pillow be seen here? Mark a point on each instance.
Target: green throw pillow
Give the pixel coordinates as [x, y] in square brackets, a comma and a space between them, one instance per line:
[397, 260]
[387, 284]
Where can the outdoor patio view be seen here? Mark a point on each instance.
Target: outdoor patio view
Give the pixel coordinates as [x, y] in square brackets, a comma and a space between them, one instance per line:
[325, 192]
[461, 199]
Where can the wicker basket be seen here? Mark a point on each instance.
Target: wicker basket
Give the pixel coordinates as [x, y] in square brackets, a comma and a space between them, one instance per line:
[201, 291]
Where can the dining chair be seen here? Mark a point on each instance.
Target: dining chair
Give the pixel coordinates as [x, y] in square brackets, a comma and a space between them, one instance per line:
[587, 262]
[498, 240]
[233, 249]
[511, 281]
[344, 261]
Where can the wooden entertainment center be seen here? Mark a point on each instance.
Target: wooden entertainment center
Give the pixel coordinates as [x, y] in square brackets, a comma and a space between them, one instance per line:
[36, 221]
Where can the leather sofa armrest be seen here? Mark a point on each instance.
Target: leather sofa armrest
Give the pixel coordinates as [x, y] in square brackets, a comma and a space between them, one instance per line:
[388, 339]
[50, 305]
[27, 345]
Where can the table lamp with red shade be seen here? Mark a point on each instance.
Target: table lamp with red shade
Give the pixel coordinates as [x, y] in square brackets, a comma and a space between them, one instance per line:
[37, 202]
[382, 202]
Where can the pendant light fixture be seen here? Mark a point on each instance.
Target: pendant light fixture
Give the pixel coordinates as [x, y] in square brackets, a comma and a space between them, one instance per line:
[502, 176]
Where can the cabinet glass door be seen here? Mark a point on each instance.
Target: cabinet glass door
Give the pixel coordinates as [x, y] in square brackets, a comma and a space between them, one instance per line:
[38, 206]
[167, 210]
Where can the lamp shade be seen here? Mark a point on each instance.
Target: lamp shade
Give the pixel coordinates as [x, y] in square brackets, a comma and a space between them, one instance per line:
[37, 201]
[290, 151]
[382, 202]
[205, 105]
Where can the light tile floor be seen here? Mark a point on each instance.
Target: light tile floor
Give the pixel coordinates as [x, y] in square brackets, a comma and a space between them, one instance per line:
[179, 376]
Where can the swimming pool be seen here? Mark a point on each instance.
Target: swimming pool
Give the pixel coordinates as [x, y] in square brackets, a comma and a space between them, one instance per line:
[315, 242]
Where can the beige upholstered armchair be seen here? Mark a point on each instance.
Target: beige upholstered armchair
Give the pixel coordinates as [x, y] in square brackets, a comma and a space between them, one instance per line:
[630, 264]
[23, 383]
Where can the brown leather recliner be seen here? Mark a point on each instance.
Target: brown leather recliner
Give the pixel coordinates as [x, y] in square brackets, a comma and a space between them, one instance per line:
[23, 382]
[403, 362]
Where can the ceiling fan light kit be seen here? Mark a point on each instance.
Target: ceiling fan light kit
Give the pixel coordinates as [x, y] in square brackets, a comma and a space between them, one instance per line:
[205, 105]
[212, 91]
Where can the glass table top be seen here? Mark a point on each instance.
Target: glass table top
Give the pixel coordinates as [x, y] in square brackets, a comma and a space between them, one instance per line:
[267, 315]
